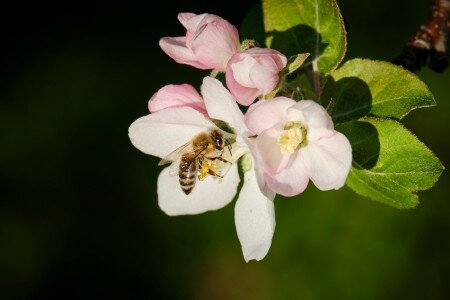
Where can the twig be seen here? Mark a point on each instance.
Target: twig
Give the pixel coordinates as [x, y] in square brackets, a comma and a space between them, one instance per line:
[429, 45]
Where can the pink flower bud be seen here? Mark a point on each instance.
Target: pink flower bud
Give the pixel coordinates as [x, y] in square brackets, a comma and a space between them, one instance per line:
[209, 43]
[176, 95]
[254, 73]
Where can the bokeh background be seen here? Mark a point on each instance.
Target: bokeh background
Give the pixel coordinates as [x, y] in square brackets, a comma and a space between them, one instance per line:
[78, 210]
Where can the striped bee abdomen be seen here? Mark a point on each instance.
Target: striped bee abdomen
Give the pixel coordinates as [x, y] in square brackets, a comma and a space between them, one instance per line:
[187, 173]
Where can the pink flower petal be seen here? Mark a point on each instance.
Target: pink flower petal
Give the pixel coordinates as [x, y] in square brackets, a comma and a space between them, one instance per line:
[244, 95]
[310, 114]
[214, 44]
[184, 19]
[240, 65]
[254, 73]
[265, 75]
[176, 95]
[266, 114]
[267, 146]
[315, 134]
[279, 58]
[195, 22]
[328, 161]
[176, 48]
[291, 181]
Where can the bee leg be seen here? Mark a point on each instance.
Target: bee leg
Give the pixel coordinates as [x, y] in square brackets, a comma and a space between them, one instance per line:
[224, 160]
[220, 159]
[214, 173]
[200, 162]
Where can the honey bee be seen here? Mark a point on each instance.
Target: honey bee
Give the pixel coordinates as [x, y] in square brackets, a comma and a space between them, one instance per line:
[200, 155]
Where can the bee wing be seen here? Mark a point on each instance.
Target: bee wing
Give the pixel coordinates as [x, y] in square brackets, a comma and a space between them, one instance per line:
[174, 157]
[175, 167]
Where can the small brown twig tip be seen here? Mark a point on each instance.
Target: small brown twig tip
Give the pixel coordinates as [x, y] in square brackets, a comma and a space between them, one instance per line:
[429, 44]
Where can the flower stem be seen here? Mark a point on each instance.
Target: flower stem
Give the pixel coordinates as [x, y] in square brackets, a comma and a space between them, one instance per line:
[316, 79]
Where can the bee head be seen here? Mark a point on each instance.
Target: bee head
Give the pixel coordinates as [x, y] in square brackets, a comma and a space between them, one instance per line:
[218, 138]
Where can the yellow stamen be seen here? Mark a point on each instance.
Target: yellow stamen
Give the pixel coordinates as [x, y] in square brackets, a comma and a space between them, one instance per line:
[208, 165]
[293, 135]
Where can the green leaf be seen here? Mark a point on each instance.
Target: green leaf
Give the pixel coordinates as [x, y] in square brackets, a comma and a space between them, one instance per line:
[306, 26]
[390, 164]
[247, 44]
[295, 62]
[364, 87]
[302, 82]
[252, 27]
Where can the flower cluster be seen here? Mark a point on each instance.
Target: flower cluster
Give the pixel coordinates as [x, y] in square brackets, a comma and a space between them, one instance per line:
[281, 143]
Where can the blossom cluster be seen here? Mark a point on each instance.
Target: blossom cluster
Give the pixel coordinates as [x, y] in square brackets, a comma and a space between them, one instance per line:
[281, 143]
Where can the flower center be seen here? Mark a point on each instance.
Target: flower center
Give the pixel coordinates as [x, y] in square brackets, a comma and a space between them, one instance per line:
[293, 136]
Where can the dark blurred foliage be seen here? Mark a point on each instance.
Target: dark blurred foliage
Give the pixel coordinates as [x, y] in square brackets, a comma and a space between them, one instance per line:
[78, 210]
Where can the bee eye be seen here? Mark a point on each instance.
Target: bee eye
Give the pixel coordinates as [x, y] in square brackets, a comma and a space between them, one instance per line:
[219, 142]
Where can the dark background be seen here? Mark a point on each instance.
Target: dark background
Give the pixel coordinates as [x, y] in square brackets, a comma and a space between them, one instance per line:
[78, 211]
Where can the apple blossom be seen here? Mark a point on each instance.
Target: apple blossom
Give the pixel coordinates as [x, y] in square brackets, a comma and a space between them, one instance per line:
[166, 129]
[297, 142]
[209, 43]
[254, 73]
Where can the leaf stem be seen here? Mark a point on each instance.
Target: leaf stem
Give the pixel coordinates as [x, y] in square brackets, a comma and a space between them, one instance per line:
[316, 79]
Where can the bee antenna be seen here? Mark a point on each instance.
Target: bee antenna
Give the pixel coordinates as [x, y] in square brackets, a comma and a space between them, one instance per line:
[228, 146]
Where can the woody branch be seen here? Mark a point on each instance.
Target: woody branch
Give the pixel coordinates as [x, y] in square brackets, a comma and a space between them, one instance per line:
[429, 44]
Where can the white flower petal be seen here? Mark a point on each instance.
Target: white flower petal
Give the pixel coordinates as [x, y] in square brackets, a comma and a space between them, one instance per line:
[254, 218]
[162, 132]
[328, 161]
[238, 149]
[311, 114]
[207, 195]
[221, 105]
[259, 169]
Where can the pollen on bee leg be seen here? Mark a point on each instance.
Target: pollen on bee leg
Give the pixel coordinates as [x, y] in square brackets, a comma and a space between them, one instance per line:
[210, 167]
[203, 171]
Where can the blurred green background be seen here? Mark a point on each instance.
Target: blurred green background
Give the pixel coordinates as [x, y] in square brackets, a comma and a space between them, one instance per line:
[78, 210]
